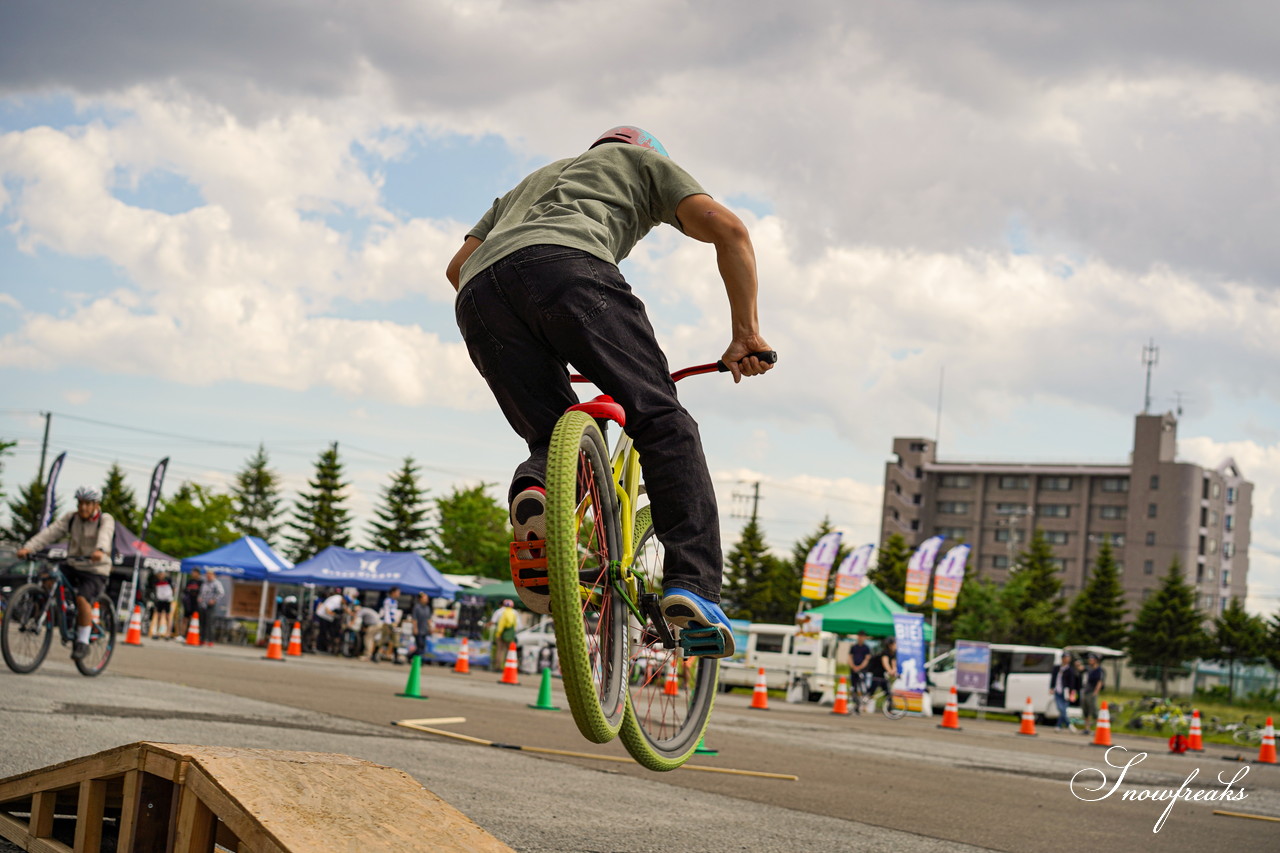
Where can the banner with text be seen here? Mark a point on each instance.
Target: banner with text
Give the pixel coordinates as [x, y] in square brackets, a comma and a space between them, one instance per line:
[817, 566]
[908, 628]
[949, 577]
[919, 568]
[50, 499]
[852, 574]
[973, 666]
[153, 498]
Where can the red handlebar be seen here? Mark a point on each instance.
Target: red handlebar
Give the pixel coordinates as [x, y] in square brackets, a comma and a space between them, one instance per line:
[717, 367]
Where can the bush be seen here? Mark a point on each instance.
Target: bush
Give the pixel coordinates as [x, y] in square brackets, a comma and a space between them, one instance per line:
[1217, 693]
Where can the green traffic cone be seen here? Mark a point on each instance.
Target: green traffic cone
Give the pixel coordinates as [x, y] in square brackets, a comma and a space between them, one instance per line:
[413, 687]
[701, 748]
[544, 692]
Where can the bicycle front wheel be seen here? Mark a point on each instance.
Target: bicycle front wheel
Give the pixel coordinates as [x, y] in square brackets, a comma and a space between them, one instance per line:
[27, 630]
[669, 699]
[584, 546]
[895, 705]
[102, 640]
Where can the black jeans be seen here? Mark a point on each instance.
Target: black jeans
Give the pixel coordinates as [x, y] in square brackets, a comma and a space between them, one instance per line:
[544, 307]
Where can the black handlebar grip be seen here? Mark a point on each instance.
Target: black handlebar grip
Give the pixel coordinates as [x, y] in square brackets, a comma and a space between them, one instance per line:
[767, 356]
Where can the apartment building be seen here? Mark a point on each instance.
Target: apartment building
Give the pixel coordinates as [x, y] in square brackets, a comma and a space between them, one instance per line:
[1153, 509]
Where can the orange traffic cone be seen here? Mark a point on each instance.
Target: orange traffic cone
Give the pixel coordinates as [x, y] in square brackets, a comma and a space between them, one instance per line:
[1195, 741]
[511, 668]
[1028, 726]
[295, 641]
[672, 685]
[760, 696]
[1102, 732]
[193, 630]
[462, 665]
[1267, 754]
[842, 698]
[275, 647]
[951, 714]
[134, 635]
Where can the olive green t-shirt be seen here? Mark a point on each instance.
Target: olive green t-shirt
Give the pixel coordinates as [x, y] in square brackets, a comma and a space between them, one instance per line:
[602, 202]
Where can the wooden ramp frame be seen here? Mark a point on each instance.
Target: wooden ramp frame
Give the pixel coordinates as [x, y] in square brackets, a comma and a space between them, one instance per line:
[187, 799]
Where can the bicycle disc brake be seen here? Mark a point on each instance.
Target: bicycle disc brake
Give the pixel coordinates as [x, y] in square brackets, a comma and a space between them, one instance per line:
[650, 606]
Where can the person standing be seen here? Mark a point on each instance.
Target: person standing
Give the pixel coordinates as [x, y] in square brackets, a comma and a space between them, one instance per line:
[211, 593]
[504, 634]
[1063, 684]
[89, 533]
[162, 605]
[1094, 680]
[329, 615]
[421, 616]
[859, 663]
[368, 624]
[389, 615]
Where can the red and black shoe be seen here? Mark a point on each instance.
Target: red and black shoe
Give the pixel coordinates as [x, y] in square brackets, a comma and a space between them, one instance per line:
[528, 551]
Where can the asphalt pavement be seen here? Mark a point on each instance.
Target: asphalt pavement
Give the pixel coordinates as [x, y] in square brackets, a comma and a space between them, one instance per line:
[865, 783]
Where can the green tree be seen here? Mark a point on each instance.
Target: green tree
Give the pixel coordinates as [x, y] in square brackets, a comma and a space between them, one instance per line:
[1273, 640]
[402, 513]
[758, 585]
[320, 518]
[119, 501]
[472, 534]
[800, 553]
[1168, 630]
[1097, 613]
[195, 520]
[890, 571]
[1237, 636]
[5, 447]
[256, 497]
[1033, 596]
[981, 613]
[25, 509]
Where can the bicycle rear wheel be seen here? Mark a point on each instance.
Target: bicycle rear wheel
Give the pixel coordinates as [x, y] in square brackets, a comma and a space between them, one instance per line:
[895, 705]
[102, 640]
[27, 630]
[669, 699]
[583, 547]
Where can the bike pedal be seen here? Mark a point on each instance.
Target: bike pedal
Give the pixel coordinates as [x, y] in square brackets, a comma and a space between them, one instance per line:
[701, 641]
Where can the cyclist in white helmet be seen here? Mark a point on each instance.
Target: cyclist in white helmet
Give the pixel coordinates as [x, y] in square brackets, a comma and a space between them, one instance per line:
[89, 533]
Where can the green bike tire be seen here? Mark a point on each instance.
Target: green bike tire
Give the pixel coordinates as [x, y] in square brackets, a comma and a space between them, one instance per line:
[23, 647]
[591, 634]
[102, 641]
[661, 731]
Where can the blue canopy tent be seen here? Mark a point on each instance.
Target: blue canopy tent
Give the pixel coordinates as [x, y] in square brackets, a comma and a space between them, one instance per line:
[378, 570]
[248, 558]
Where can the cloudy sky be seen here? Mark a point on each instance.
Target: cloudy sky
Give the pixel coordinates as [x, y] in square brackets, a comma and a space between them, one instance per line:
[227, 222]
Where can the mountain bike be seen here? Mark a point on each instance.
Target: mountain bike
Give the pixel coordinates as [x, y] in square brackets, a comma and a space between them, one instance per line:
[604, 567]
[36, 610]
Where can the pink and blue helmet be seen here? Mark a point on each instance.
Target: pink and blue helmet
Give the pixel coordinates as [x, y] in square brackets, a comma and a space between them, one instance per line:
[632, 136]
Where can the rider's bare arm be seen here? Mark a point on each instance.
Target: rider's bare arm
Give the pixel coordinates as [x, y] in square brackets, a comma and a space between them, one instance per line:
[705, 219]
[454, 271]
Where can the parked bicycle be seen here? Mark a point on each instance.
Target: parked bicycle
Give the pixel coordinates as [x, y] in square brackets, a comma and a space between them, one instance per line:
[868, 693]
[36, 610]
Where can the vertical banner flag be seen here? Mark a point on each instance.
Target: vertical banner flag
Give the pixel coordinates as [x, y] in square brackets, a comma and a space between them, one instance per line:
[157, 480]
[852, 574]
[46, 516]
[919, 567]
[817, 566]
[947, 580]
[908, 628]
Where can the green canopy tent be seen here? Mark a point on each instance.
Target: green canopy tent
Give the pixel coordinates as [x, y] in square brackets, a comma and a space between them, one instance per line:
[868, 610]
[497, 591]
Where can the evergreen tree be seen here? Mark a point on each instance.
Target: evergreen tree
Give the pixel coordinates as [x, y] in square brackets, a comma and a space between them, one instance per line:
[1097, 613]
[472, 534]
[800, 553]
[1033, 596]
[25, 509]
[1237, 636]
[758, 585]
[319, 517]
[1272, 651]
[5, 447]
[119, 501]
[1168, 630]
[195, 520]
[890, 572]
[980, 613]
[401, 524]
[256, 497]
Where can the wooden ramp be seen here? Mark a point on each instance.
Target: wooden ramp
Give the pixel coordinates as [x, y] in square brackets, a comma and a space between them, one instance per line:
[149, 797]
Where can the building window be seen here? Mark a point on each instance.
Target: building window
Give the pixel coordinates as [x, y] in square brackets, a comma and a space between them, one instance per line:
[1054, 510]
[1151, 510]
[1151, 537]
[919, 447]
[1113, 513]
[1055, 537]
[1120, 566]
[1058, 563]
[1213, 518]
[1229, 522]
[1204, 516]
[1231, 494]
[1007, 482]
[1155, 482]
[955, 481]
[1115, 484]
[1228, 549]
[1213, 546]
[999, 562]
[1226, 577]
[1055, 484]
[1204, 488]
[953, 507]
[915, 524]
[1216, 490]
[1003, 535]
[897, 489]
[1201, 551]
[1117, 539]
[915, 499]
[1148, 567]
[1199, 574]
[894, 512]
[956, 533]
[1011, 508]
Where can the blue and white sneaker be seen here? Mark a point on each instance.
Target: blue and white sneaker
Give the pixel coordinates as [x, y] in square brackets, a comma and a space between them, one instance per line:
[704, 629]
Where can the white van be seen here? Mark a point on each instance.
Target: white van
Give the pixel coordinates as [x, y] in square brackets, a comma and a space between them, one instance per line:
[1016, 673]
[805, 662]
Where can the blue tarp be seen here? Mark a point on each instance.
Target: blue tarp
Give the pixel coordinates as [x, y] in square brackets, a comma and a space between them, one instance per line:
[248, 558]
[378, 570]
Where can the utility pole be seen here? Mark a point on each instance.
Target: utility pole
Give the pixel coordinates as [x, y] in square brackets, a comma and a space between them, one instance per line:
[1150, 357]
[754, 497]
[44, 446]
